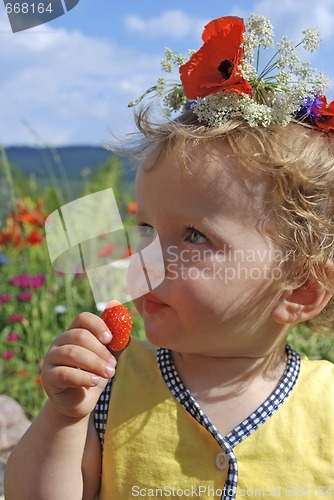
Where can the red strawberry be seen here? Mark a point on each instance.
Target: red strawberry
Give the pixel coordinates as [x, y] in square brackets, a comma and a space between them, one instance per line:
[118, 320]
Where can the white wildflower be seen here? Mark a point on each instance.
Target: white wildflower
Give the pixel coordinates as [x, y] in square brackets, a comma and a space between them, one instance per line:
[171, 59]
[257, 114]
[261, 29]
[160, 86]
[60, 309]
[166, 66]
[169, 53]
[191, 52]
[249, 44]
[283, 78]
[321, 83]
[304, 70]
[216, 109]
[311, 39]
[287, 54]
[247, 70]
[179, 59]
[175, 99]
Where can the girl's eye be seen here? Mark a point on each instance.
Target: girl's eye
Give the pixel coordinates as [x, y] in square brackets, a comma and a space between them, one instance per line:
[194, 236]
[145, 230]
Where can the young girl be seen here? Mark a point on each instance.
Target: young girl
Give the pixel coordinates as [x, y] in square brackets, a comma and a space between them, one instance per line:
[214, 404]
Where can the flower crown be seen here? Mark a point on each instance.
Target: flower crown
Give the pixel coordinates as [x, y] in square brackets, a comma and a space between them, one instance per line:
[223, 78]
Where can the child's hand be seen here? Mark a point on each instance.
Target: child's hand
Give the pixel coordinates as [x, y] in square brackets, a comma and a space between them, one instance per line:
[78, 365]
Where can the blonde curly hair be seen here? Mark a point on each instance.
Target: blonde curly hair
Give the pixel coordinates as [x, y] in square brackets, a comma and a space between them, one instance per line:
[300, 162]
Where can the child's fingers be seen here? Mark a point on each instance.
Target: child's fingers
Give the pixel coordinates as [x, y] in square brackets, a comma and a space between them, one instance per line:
[82, 338]
[61, 378]
[73, 392]
[76, 356]
[94, 324]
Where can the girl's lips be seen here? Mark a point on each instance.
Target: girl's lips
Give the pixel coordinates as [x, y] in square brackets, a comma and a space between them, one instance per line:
[153, 304]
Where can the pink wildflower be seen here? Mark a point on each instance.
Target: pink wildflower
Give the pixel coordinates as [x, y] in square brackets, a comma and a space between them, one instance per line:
[16, 318]
[24, 296]
[37, 281]
[6, 297]
[21, 280]
[13, 337]
[8, 354]
[27, 281]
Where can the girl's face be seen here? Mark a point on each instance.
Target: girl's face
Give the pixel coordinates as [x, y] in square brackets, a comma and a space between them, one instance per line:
[219, 267]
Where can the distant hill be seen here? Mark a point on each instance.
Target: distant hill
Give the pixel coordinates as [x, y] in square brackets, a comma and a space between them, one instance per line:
[40, 162]
[72, 166]
[73, 163]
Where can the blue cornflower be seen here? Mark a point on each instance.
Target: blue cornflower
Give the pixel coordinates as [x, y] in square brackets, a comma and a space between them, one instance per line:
[311, 109]
[3, 259]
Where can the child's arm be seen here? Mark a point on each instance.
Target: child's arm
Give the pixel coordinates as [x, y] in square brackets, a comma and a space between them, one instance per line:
[51, 461]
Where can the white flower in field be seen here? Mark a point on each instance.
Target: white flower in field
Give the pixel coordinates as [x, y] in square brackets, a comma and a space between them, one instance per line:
[60, 309]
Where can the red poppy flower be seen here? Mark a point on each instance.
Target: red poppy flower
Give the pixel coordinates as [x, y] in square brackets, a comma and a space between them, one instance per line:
[127, 253]
[12, 234]
[326, 119]
[132, 207]
[34, 238]
[214, 67]
[31, 216]
[107, 250]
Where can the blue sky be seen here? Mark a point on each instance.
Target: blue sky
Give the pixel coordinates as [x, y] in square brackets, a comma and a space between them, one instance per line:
[69, 81]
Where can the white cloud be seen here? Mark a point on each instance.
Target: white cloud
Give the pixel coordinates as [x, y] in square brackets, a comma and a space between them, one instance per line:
[69, 86]
[294, 16]
[170, 23]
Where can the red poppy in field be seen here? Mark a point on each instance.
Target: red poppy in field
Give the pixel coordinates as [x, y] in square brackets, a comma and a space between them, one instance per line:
[214, 67]
[132, 207]
[31, 216]
[326, 119]
[12, 234]
[107, 250]
[127, 253]
[34, 238]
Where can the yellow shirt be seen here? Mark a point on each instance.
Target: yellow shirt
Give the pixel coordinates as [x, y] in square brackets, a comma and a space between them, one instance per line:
[155, 447]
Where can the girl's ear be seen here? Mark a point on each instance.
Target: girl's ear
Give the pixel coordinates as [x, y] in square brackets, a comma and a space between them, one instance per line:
[301, 304]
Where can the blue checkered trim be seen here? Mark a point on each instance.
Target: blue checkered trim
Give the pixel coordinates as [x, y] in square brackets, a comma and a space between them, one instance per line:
[248, 426]
[101, 412]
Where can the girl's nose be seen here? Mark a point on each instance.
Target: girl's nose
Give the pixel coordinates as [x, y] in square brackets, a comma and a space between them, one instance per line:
[147, 269]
